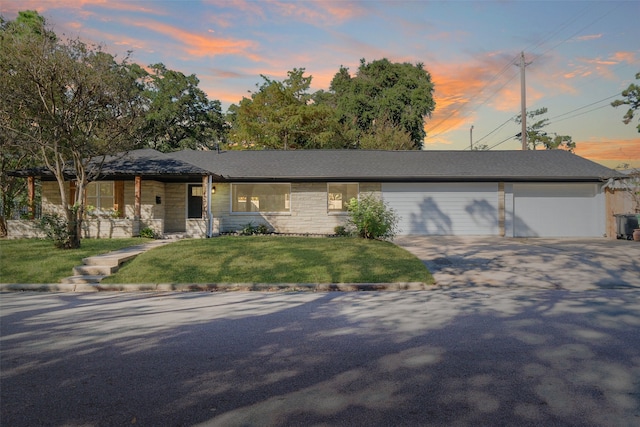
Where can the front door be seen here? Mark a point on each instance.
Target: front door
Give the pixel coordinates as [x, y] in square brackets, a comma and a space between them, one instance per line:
[194, 201]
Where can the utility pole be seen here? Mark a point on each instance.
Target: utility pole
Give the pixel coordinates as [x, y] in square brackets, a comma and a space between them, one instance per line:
[471, 137]
[523, 101]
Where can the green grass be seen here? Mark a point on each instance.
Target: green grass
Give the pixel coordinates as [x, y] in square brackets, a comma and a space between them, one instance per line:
[38, 261]
[268, 259]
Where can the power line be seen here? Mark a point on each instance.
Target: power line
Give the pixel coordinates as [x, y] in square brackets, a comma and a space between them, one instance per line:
[584, 106]
[580, 114]
[475, 95]
[470, 111]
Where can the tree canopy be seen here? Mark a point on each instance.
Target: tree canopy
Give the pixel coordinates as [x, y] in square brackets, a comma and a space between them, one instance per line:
[536, 136]
[282, 115]
[394, 96]
[383, 106]
[179, 115]
[631, 97]
[66, 102]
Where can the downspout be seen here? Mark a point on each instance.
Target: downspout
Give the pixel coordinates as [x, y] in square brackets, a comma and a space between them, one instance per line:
[209, 213]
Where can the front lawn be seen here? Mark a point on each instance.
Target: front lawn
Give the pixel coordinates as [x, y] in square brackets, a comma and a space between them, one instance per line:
[271, 259]
[38, 261]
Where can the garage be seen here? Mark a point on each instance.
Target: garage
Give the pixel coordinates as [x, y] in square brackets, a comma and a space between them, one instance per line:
[556, 210]
[445, 208]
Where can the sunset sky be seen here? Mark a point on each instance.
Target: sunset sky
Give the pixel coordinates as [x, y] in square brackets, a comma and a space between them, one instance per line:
[581, 55]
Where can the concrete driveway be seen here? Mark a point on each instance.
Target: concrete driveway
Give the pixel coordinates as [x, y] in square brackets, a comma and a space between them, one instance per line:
[571, 264]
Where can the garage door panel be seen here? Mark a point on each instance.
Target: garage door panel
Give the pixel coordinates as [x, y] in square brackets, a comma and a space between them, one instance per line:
[558, 210]
[444, 209]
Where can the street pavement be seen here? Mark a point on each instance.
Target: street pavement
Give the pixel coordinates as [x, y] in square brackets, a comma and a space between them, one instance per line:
[458, 356]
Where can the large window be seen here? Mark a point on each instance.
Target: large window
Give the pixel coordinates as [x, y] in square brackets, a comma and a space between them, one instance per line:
[339, 195]
[100, 196]
[271, 198]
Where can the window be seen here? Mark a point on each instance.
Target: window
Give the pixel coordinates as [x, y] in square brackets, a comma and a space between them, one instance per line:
[339, 195]
[261, 198]
[100, 195]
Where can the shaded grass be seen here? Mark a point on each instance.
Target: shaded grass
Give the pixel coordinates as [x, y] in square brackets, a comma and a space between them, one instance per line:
[38, 261]
[269, 259]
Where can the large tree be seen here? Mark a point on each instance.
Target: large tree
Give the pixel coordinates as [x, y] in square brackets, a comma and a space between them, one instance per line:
[537, 136]
[632, 99]
[67, 102]
[179, 113]
[394, 96]
[282, 115]
[13, 154]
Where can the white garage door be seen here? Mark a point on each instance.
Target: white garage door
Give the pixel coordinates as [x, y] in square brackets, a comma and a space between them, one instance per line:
[444, 208]
[558, 210]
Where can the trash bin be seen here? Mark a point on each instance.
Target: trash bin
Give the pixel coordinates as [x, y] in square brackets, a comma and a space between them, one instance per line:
[625, 223]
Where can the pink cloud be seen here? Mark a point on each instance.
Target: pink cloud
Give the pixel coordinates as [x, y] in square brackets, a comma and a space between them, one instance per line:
[201, 45]
[611, 151]
[587, 37]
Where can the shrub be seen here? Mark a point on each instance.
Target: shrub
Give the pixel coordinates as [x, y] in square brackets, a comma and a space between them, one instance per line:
[372, 218]
[55, 227]
[250, 229]
[148, 233]
[340, 230]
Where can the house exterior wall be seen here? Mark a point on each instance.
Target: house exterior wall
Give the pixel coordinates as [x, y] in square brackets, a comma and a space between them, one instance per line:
[308, 215]
[175, 207]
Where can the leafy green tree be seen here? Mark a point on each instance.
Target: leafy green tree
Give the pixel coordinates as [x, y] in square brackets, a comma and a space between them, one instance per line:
[282, 115]
[179, 114]
[536, 136]
[632, 99]
[384, 94]
[13, 154]
[372, 218]
[67, 103]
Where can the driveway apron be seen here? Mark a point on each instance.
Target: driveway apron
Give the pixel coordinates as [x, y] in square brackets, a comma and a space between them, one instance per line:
[544, 263]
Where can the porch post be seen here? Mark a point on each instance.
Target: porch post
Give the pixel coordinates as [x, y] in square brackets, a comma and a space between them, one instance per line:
[31, 193]
[137, 204]
[206, 194]
[501, 210]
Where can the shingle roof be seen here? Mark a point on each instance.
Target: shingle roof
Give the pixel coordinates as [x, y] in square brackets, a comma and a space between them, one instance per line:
[146, 162]
[350, 165]
[370, 165]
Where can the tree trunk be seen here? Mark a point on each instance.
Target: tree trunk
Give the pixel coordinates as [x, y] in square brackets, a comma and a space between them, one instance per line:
[74, 228]
[3, 226]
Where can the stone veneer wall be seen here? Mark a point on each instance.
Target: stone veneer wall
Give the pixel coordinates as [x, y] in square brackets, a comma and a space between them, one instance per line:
[308, 214]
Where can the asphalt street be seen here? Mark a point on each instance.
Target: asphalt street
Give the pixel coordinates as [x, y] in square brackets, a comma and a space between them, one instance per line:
[475, 356]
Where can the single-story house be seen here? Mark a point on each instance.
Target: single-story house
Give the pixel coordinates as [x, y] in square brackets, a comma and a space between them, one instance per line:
[545, 193]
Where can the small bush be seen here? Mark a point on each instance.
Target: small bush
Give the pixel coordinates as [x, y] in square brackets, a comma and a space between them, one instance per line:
[55, 227]
[148, 233]
[340, 230]
[250, 229]
[372, 218]
[262, 229]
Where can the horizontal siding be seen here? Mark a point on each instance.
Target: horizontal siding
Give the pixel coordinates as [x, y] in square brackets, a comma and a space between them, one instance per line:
[444, 208]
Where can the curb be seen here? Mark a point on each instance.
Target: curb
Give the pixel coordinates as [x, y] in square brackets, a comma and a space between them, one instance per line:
[214, 287]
